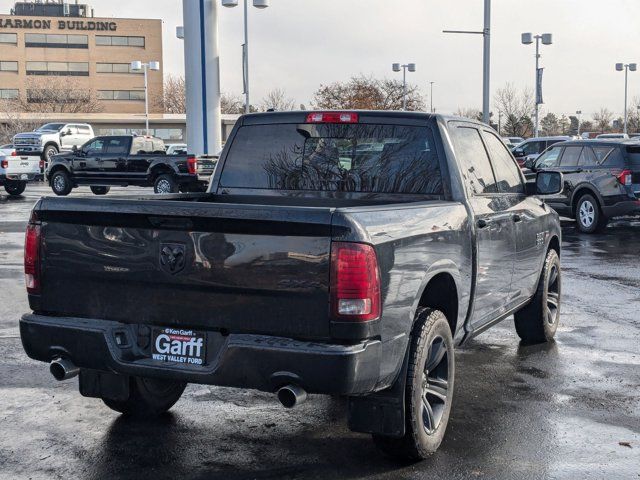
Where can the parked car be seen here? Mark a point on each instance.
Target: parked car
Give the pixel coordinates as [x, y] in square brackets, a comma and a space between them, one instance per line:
[177, 149]
[126, 160]
[53, 138]
[612, 136]
[601, 178]
[17, 170]
[307, 267]
[513, 141]
[532, 148]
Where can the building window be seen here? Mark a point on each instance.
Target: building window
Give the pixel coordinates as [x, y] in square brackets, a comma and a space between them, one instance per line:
[135, 95]
[40, 40]
[8, 66]
[71, 69]
[116, 68]
[52, 96]
[11, 38]
[9, 94]
[113, 41]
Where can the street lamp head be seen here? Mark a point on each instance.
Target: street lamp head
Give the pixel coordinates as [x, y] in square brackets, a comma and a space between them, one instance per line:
[230, 3]
[527, 38]
[619, 67]
[155, 66]
[547, 39]
[136, 65]
[633, 67]
[261, 3]
[412, 67]
[396, 67]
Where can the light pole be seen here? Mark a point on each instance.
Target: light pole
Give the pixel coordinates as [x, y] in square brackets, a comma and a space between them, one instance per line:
[396, 67]
[261, 4]
[136, 66]
[547, 39]
[486, 62]
[431, 96]
[626, 67]
[579, 116]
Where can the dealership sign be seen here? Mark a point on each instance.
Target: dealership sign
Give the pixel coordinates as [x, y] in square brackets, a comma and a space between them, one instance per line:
[61, 24]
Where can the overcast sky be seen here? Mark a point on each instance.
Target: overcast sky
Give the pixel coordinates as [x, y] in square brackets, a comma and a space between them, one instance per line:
[299, 44]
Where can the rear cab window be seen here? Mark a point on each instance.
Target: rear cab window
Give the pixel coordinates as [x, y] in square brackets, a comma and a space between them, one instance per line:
[358, 158]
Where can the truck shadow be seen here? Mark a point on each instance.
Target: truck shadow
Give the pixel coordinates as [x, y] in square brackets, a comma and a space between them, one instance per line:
[498, 413]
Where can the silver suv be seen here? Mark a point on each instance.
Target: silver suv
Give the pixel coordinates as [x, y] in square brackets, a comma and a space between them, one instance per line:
[53, 138]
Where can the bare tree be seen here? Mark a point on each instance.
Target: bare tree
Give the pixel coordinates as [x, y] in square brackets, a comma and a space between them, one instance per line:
[367, 93]
[12, 122]
[174, 95]
[277, 100]
[633, 120]
[518, 107]
[603, 119]
[56, 95]
[231, 104]
[472, 113]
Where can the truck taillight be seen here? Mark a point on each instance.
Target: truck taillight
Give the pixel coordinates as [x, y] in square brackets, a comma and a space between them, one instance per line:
[32, 259]
[626, 177]
[41, 164]
[14, 153]
[192, 165]
[332, 117]
[4, 163]
[355, 282]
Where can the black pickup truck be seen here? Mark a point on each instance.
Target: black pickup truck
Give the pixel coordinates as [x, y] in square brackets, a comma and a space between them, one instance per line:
[341, 253]
[127, 160]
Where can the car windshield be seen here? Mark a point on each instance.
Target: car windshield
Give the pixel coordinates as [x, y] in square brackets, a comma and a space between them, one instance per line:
[51, 127]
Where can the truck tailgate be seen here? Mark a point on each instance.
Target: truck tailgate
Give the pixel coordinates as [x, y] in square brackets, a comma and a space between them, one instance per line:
[225, 267]
[22, 167]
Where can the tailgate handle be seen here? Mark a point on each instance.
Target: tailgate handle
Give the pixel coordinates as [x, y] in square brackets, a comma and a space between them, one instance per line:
[177, 223]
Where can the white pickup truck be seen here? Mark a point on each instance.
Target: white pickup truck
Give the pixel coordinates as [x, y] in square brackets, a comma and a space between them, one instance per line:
[53, 138]
[17, 170]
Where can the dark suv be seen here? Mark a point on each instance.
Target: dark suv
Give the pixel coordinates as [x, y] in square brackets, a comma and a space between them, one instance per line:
[602, 180]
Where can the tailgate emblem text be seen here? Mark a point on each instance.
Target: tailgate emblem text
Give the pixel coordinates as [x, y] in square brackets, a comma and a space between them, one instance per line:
[172, 258]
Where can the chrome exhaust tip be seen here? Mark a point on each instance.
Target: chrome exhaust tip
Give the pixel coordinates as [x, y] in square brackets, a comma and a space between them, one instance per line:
[62, 369]
[291, 396]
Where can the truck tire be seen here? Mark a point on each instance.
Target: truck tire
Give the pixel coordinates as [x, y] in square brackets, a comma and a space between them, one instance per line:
[589, 216]
[61, 183]
[15, 188]
[538, 321]
[100, 190]
[165, 184]
[49, 151]
[148, 397]
[429, 389]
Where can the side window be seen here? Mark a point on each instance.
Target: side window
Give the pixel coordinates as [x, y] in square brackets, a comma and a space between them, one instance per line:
[94, 147]
[506, 170]
[117, 146]
[614, 159]
[601, 154]
[549, 159]
[476, 168]
[84, 130]
[533, 148]
[570, 156]
[587, 158]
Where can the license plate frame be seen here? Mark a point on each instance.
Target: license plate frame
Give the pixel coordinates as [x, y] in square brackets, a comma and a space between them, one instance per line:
[178, 346]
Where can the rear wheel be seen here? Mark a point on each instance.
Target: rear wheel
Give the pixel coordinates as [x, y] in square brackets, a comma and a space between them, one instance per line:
[148, 397]
[100, 190]
[538, 321]
[15, 188]
[429, 390]
[165, 184]
[60, 183]
[589, 217]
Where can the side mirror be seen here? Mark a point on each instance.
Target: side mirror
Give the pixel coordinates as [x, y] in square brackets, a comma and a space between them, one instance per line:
[530, 163]
[547, 183]
[518, 152]
[74, 149]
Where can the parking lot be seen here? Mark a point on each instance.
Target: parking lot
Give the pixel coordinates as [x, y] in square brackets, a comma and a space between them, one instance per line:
[570, 409]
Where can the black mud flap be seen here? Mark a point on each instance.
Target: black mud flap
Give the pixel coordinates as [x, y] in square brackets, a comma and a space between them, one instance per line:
[381, 413]
[95, 384]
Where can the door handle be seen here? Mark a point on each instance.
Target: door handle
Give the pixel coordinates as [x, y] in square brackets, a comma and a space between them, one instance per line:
[517, 218]
[482, 223]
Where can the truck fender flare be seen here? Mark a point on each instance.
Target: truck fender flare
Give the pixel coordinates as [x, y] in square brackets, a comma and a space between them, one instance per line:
[442, 266]
[160, 165]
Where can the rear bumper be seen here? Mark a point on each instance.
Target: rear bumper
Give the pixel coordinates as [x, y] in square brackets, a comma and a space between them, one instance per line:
[621, 209]
[242, 361]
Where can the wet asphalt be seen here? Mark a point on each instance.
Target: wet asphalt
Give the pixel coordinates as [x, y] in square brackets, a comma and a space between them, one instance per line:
[568, 410]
